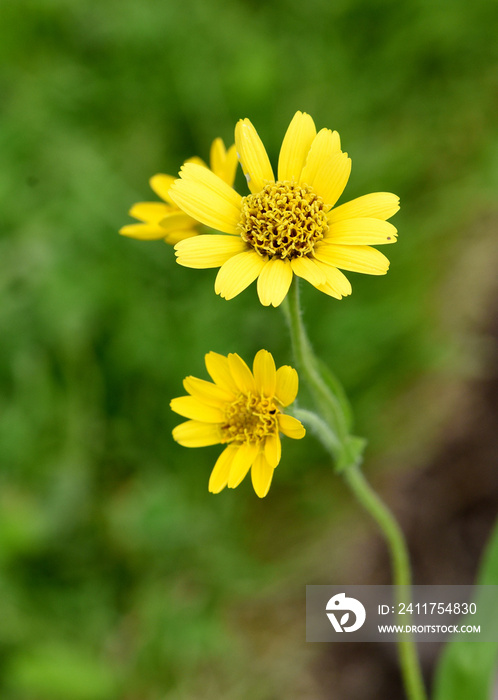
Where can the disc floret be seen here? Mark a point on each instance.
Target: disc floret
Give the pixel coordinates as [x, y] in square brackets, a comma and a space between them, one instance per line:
[250, 418]
[283, 220]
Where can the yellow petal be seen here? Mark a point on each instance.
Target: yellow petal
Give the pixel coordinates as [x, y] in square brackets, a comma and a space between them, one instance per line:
[231, 164]
[308, 270]
[378, 205]
[144, 232]
[238, 273]
[208, 393]
[208, 250]
[204, 196]
[265, 373]
[193, 433]
[219, 476]
[336, 283]
[241, 373]
[161, 183]
[245, 456]
[273, 450]
[295, 147]
[356, 258]
[217, 155]
[287, 385]
[150, 212]
[361, 232]
[331, 178]
[252, 155]
[223, 163]
[219, 371]
[290, 426]
[330, 290]
[196, 160]
[274, 282]
[190, 407]
[261, 475]
[325, 145]
[177, 220]
[176, 236]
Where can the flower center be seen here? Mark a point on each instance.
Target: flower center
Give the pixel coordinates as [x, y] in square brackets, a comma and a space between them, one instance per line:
[249, 419]
[284, 220]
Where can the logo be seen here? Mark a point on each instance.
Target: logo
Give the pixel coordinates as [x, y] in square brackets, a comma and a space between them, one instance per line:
[340, 604]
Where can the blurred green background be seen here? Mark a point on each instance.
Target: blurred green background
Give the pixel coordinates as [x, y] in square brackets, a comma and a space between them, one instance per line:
[121, 578]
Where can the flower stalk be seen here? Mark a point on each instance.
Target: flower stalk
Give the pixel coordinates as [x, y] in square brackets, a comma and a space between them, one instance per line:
[332, 428]
[309, 367]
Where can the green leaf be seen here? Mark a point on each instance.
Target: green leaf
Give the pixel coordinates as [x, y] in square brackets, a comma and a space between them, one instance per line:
[467, 669]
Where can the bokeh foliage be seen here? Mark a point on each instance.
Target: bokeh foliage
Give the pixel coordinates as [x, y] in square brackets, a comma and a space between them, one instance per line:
[119, 573]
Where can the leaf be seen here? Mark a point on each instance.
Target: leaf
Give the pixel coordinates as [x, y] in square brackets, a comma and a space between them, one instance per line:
[467, 669]
[344, 619]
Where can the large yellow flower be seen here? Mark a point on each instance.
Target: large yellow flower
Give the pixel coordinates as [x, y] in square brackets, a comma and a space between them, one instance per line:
[165, 219]
[243, 410]
[286, 226]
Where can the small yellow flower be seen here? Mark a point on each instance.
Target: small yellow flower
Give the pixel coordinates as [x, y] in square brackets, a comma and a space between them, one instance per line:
[287, 226]
[165, 219]
[243, 410]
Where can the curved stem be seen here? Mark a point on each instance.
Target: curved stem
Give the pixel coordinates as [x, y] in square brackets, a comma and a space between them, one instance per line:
[367, 497]
[333, 432]
[321, 429]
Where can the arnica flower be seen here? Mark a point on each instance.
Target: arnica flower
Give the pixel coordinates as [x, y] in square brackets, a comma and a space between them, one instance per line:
[165, 219]
[242, 410]
[288, 225]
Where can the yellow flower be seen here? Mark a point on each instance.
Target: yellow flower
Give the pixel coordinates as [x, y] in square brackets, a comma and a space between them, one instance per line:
[286, 226]
[165, 219]
[243, 410]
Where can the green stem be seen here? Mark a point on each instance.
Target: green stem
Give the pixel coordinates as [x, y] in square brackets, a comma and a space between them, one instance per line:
[334, 435]
[321, 429]
[309, 367]
[367, 497]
